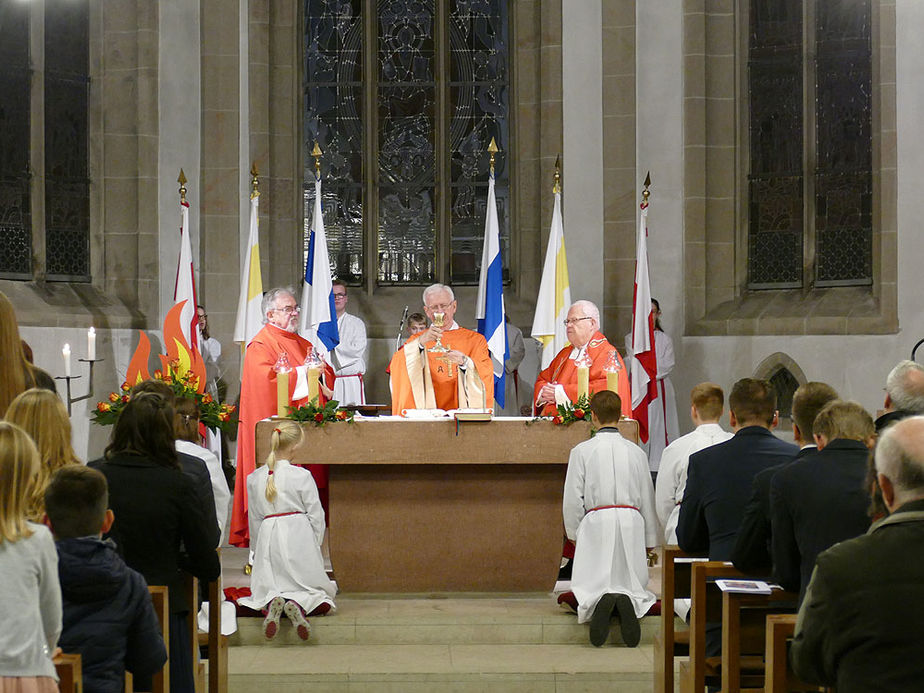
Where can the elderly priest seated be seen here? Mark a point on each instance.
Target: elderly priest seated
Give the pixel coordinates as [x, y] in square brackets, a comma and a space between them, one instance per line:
[558, 384]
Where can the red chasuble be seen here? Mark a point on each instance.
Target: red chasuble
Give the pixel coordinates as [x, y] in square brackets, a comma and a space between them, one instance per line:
[258, 401]
[563, 372]
[444, 379]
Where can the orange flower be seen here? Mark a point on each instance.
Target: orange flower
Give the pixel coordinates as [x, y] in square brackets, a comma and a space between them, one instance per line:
[103, 407]
[113, 397]
[158, 375]
[556, 420]
[126, 386]
[341, 415]
[207, 398]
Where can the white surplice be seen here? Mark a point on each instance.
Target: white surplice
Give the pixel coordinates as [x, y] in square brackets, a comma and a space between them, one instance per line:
[610, 543]
[219, 482]
[663, 427]
[672, 477]
[348, 360]
[287, 558]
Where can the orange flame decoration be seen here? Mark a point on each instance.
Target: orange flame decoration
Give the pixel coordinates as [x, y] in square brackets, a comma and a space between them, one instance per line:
[179, 351]
[138, 366]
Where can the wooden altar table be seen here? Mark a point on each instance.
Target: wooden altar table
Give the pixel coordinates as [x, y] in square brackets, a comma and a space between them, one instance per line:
[417, 506]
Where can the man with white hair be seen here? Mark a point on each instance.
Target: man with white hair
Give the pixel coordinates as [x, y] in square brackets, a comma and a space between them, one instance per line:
[557, 384]
[904, 393]
[460, 378]
[861, 625]
[258, 393]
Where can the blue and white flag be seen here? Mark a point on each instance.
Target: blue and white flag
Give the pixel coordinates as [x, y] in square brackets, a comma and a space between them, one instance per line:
[318, 321]
[489, 308]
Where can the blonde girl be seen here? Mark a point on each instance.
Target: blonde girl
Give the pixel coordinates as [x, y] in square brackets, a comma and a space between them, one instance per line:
[286, 531]
[30, 600]
[42, 415]
[16, 373]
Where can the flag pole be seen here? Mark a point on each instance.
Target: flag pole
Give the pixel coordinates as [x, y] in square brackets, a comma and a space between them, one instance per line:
[556, 186]
[181, 179]
[317, 154]
[254, 194]
[646, 193]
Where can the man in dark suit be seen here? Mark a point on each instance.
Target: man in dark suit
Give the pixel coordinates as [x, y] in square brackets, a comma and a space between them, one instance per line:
[820, 500]
[752, 548]
[861, 624]
[719, 478]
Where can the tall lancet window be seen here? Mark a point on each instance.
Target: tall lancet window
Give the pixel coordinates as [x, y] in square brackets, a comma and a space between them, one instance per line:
[403, 97]
[809, 132]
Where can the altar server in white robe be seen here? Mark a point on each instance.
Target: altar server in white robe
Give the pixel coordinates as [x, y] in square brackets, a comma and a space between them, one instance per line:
[348, 358]
[286, 531]
[609, 513]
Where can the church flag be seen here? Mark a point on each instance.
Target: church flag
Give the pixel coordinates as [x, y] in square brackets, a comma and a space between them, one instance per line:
[489, 306]
[185, 287]
[318, 320]
[249, 314]
[554, 291]
[644, 369]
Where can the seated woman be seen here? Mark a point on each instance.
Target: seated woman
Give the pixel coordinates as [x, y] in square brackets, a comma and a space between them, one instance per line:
[156, 510]
[42, 415]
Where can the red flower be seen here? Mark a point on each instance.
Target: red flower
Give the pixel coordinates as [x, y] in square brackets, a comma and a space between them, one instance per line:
[207, 398]
[125, 399]
[578, 413]
[556, 420]
[341, 415]
[319, 417]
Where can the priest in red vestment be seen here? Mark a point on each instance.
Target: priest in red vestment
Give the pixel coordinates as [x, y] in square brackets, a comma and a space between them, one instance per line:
[557, 384]
[258, 395]
[461, 378]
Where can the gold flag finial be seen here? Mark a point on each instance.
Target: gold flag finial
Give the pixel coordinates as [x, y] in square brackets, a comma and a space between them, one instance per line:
[645, 193]
[317, 154]
[254, 182]
[492, 148]
[556, 186]
[182, 181]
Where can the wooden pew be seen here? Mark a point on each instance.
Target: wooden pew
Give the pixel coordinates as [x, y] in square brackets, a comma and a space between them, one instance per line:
[744, 619]
[671, 642]
[192, 632]
[780, 677]
[214, 641]
[160, 598]
[70, 673]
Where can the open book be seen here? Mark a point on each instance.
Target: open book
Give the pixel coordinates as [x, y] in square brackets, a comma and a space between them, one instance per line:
[746, 586]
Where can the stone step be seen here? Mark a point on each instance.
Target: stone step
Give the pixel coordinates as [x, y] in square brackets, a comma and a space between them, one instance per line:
[440, 620]
[538, 668]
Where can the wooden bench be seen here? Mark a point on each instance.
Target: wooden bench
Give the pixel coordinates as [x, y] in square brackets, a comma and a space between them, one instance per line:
[70, 673]
[160, 598]
[215, 643]
[670, 641]
[780, 677]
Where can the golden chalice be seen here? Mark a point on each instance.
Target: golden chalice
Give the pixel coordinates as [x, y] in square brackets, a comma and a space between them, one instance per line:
[438, 347]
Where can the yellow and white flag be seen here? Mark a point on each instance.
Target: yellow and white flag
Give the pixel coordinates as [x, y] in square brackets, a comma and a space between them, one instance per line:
[554, 292]
[249, 316]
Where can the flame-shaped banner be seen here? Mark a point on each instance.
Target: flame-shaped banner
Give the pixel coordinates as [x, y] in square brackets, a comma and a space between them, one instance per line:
[138, 366]
[179, 351]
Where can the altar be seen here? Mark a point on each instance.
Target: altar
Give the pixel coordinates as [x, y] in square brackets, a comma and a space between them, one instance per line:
[436, 506]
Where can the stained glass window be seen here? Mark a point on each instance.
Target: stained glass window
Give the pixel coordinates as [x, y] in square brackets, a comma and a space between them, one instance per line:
[404, 118]
[810, 154]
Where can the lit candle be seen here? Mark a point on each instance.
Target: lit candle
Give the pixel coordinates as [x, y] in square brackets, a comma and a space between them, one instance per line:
[66, 352]
[313, 374]
[583, 381]
[612, 381]
[91, 344]
[282, 393]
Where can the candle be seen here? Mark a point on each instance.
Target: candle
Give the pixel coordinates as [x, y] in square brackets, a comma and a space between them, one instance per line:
[313, 374]
[583, 381]
[91, 344]
[612, 381]
[282, 393]
[66, 352]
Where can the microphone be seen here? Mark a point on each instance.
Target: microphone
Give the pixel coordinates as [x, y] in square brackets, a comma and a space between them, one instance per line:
[401, 329]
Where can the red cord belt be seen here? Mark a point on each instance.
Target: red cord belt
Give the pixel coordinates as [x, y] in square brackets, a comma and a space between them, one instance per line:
[293, 512]
[607, 507]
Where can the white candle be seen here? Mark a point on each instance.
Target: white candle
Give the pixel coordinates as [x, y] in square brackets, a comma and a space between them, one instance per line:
[66, 352]
[91, 344]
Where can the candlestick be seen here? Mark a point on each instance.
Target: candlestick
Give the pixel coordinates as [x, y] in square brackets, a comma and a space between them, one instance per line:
[583, 381]
[282, 393]
[91, 344]
[66, 353]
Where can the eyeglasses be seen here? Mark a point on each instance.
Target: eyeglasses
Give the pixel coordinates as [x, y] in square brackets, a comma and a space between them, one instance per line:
[575, 321]
[339, 297]
[442, 308]
[288, 310]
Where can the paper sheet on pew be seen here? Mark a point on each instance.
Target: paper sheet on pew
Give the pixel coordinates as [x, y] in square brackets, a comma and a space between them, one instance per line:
[747, 586]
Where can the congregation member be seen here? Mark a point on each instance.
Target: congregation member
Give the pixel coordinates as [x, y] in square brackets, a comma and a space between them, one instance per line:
[861, 624]
[210, 349]
[820, 500]
[348, 358]
[663, 427]
[17, 374]
[156, 512]
[30, 600]
[752, 547]
[558, 384]
[719, 479]
[707, 402]
[904, 393]
[609, 513]
[460, 378]
[108, 616]
[258, 393]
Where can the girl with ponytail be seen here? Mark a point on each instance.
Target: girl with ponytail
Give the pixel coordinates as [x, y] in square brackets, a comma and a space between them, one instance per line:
[286, 531]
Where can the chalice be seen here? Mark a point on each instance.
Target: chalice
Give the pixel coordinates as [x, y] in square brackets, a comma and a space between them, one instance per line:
[438, 347]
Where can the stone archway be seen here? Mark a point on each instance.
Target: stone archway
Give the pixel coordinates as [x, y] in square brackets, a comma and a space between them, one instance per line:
[785, 375]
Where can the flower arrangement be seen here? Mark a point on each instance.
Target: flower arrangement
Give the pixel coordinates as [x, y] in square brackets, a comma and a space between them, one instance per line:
[573, 411]
[320, 414]
[213, 414]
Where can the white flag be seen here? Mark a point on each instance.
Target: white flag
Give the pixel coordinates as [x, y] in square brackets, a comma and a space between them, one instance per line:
[318, 320]
[489, 306]
[185, 287]
[554, 292]
[249, 316]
